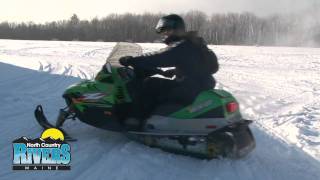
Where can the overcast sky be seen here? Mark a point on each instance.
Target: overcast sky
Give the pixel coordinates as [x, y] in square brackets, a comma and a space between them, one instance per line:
[48, 10]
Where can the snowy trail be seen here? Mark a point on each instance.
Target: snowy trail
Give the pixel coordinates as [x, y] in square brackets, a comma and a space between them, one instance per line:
[283, 85]
[286, 127]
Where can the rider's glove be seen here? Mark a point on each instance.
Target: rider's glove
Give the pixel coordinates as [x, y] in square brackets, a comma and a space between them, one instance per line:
[125, 60]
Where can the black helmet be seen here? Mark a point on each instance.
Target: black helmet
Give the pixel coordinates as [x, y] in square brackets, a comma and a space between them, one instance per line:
[170, 22]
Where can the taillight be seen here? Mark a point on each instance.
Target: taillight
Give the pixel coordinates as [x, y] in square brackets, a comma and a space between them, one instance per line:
[232, 107]
[211, 126]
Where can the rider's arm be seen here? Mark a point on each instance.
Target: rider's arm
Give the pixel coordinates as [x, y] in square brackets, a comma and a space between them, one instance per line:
[151, 72]
[170, 57]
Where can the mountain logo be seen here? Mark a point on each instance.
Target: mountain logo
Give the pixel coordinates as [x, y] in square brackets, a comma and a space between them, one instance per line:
[49, 152]
[53, 133]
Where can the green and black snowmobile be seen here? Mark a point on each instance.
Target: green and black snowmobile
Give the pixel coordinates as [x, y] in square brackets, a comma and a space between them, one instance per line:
[210, 127]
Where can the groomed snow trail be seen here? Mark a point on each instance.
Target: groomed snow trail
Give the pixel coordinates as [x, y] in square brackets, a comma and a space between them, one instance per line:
[277, 87]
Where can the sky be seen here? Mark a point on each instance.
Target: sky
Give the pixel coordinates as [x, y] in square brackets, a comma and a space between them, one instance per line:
[41, 11]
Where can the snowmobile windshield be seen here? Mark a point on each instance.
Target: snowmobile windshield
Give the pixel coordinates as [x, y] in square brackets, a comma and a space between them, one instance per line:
[107, 66]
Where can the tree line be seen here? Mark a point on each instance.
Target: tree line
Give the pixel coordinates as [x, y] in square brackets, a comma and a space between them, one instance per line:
[219, 29]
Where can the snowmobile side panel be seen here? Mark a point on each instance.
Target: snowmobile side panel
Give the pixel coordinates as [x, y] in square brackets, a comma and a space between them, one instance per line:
[193, 125]
[103, 118]
[205, 102]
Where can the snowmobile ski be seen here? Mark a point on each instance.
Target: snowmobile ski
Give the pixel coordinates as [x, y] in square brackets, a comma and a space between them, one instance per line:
[45, 124]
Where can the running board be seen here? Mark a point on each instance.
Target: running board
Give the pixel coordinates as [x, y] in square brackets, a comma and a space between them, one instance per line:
[164, 134]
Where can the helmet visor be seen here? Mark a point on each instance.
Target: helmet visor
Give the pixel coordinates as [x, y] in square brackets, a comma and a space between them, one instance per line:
[163, 25]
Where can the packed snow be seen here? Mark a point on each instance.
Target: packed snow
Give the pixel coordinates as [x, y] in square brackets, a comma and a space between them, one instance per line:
[278, 88]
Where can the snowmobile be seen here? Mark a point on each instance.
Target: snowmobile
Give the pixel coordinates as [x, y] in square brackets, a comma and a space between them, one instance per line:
[210, 127]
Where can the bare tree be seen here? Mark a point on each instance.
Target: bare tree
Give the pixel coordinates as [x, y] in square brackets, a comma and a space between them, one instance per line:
[230, 28]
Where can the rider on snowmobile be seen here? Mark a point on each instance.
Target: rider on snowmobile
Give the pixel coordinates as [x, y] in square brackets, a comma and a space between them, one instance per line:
[193, 62]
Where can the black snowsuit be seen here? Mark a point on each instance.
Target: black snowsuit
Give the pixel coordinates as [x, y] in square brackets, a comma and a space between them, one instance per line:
[194, 65]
